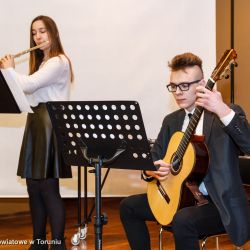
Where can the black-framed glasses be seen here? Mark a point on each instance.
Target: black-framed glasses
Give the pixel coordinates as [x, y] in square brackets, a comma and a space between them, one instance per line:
[183, 86]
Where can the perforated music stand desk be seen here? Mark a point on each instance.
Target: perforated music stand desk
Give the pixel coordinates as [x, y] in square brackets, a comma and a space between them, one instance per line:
[7, 101]
[104, 134]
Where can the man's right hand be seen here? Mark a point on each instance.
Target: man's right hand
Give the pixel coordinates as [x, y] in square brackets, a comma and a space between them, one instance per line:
[162, 172]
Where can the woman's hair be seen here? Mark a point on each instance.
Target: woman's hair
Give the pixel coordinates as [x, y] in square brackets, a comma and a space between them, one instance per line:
[182, 61]
[56, 49]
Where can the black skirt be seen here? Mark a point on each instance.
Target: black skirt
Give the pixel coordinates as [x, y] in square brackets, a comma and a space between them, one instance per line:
[39, 156]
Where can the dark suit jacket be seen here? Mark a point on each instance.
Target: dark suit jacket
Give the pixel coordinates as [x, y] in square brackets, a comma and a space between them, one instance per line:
[223, 181]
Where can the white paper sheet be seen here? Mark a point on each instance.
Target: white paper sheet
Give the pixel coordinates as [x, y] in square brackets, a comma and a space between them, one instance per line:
[17, 92]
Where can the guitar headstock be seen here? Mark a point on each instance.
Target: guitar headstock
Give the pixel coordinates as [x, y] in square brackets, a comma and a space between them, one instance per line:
[224, 64]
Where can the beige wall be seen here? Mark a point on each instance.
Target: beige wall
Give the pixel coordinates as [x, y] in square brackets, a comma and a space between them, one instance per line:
[241, 45]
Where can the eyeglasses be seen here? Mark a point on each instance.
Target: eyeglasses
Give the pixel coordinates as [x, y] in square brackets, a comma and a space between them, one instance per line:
[183, 86]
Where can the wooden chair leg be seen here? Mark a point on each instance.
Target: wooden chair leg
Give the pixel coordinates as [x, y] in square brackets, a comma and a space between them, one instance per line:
[160, 239]
[239, 248]
[203, 243]
[217, 243]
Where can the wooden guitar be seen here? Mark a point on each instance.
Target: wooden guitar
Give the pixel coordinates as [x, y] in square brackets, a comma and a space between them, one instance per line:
[188, 156]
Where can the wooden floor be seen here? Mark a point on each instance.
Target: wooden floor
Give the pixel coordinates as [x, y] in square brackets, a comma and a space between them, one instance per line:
[16, 228]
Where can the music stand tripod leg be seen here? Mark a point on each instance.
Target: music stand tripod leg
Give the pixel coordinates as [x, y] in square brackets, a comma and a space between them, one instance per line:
[83, 225]
[81, 231]
[79, 195]
[85, 206]
[98, 218]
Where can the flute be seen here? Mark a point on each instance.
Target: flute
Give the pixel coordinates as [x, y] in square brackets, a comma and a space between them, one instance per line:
[31, 49]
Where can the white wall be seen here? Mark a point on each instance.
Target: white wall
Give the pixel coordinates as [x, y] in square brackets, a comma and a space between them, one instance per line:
[119, 50]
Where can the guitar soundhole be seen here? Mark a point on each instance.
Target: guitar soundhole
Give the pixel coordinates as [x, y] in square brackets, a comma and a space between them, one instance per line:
[176, 164]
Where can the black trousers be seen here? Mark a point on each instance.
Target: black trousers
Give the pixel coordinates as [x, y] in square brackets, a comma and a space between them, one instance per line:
[46, 202]
[188, 223]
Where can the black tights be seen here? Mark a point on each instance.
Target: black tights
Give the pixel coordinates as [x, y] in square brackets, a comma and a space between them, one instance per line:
[45, 201]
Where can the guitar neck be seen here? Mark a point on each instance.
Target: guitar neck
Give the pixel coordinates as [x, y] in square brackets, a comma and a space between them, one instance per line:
[192, 125]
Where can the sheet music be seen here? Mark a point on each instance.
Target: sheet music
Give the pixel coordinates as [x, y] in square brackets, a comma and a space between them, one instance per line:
[17, 92]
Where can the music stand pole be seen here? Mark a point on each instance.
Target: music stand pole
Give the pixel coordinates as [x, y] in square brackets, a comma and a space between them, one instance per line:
[79, 195]
[98, 218]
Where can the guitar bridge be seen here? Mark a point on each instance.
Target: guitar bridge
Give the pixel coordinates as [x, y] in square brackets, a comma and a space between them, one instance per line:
[162, 191]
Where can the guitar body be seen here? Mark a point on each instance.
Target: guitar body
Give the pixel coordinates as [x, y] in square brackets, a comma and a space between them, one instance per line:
[166, 197]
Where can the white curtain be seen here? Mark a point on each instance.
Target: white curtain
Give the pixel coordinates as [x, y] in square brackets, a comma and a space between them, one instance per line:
[119, 51]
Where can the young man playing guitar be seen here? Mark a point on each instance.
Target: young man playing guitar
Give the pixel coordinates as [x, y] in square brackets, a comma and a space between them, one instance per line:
[227, 134]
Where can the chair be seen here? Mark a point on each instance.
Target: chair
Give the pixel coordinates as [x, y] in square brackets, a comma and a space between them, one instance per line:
[203, 238]
[244, 165]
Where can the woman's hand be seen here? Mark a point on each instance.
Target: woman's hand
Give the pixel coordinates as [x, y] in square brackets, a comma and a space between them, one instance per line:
[162, 172]
[7, 62]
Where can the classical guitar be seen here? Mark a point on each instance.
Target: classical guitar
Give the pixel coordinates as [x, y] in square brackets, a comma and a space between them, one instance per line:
[188, 157]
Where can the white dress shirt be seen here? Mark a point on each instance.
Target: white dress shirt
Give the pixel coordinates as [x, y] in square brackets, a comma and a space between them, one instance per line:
[50, 83]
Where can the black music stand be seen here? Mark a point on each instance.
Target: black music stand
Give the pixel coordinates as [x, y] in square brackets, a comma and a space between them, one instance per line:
[102, 134]
[7, 101]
